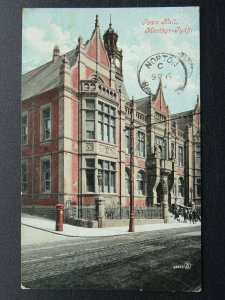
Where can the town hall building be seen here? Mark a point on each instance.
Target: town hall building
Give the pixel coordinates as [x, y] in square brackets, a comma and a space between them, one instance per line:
[76, 140]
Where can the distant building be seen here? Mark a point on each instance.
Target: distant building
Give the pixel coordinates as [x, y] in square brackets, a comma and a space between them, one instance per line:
[76, 137]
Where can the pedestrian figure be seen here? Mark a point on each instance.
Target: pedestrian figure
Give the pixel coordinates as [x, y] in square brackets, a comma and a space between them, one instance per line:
[194, 217]
[190, 216]
[176, 214]
[185, 215]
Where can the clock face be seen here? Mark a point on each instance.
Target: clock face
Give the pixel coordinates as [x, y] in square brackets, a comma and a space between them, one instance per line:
[117, 63]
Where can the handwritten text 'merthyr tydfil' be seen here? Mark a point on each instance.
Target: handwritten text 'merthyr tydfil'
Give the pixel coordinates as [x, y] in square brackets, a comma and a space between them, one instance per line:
[179, 30]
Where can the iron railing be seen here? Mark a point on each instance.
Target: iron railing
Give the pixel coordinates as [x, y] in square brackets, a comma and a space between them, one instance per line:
[86, 213]
[140, 213]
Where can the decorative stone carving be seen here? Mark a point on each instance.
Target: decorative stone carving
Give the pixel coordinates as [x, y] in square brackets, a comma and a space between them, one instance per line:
[89, 147]
[107, 150]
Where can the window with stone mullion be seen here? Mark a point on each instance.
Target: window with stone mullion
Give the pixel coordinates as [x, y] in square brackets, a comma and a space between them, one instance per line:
[24, 177]
[90, 119]
[90, 175]
[107, 172]
[24, 130]
[140, 184]
[181, 156]
[47, 123]
[127, 135]
[141, 144]
[47, 175]
[106, 123]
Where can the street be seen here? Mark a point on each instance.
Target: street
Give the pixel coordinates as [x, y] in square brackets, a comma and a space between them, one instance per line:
[163, 260]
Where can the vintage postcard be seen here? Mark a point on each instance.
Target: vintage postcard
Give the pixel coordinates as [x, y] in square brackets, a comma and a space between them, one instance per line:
[111, 149]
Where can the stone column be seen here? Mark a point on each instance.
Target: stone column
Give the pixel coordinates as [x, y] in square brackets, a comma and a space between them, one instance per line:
[100, 211]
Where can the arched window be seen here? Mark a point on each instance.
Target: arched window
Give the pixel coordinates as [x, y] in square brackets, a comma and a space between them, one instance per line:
[127, 181]
[140, 183]
[181, 187]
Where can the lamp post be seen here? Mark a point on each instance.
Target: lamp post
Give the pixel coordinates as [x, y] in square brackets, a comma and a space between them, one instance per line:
[131, 223]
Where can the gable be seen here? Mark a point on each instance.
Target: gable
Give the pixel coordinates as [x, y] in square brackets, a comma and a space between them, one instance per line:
[95, 47]
[160, 103]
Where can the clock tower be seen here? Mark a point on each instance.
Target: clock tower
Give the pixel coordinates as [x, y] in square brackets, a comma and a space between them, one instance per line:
[110, 38]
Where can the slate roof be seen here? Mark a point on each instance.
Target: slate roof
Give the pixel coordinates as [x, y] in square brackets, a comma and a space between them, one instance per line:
[45, 77]
[123, 88]
[181, 123]
[141, 104]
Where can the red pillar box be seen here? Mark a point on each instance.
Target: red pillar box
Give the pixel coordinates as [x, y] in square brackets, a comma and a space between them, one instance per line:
[59, 217]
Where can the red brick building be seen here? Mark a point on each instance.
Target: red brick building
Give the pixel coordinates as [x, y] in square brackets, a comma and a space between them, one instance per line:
[76, 141]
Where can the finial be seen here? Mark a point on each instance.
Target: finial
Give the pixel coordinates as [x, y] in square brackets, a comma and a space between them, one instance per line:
[160, 82]
[96, 22]
[110, 24]
[197, 99]
[80, 40]
[56, 53]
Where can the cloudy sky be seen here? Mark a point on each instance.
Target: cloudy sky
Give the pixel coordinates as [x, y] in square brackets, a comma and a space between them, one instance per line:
[44, 28]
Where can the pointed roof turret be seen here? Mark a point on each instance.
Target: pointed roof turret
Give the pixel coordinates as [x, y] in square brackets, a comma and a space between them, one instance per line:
[159, 100]
[110, 38]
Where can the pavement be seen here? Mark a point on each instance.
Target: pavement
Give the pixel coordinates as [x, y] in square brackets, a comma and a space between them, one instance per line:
[48, 225]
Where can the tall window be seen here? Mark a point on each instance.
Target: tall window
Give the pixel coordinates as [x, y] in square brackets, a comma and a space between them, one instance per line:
[127, 181]
[197, 157]
[24, 130]
[198, 187]
[90, 119]
[181, 156]
[106, 123]
[46, 173]
[140, 183]
[172, 154]
[127, 135]
[181, 187]
[90, 175]
[24, 176]
[161, 143]
[141, 143]
[46, 113]
[107, 176]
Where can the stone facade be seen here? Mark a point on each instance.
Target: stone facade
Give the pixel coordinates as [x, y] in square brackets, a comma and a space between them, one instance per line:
[75, 135]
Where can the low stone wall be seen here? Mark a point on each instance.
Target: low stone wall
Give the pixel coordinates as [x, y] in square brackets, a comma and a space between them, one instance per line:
[42, 211]
[81, 222]
[125, 222]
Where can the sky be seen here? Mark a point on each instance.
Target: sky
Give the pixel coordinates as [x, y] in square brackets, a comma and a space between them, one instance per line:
[143, 33]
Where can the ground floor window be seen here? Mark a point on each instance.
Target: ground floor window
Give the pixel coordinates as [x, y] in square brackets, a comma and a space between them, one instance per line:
[24, 177]
[140, 183]
[198, 187]
[127, 181]
[46, 175]
[107, 176]
[90, 175]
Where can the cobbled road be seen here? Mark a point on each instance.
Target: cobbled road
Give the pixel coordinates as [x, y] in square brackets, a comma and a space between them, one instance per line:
[165, 260]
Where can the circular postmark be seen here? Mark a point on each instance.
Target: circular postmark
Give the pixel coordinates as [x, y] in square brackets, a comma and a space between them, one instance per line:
[170, 69]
